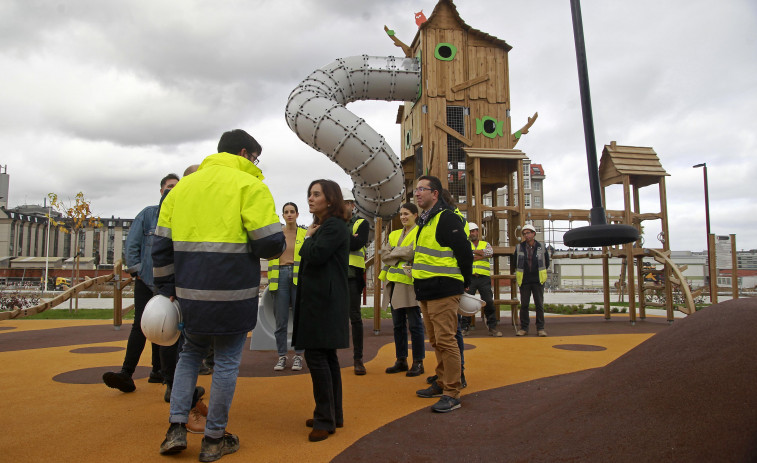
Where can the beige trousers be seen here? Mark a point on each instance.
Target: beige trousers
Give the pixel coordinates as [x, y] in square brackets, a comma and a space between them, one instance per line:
[440, 320]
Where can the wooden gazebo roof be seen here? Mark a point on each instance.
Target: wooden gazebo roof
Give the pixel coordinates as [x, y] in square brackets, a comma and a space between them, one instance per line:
[640, 163]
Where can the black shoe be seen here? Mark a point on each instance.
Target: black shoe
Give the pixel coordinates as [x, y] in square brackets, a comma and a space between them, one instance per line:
[399, 365]
[167, 395]
[121, 381]
[446, 404]
[359, 368]
[214, 449]
[155, 377]
[176, 439]
[416, 370]
[432, 379]
[199, 392]
[432, 391]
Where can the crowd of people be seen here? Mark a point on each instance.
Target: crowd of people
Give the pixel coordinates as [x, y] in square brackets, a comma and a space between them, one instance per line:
[202, 246]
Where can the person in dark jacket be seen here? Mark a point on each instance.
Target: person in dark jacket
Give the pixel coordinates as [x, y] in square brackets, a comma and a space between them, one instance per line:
[359, 231]
[321, 316]
[531, 263]
[442, 270]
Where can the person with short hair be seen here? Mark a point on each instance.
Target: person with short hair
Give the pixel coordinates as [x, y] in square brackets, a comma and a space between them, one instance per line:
[442, 268]
[321, 315]
[531, 263]
[213, 229]
[139, 265]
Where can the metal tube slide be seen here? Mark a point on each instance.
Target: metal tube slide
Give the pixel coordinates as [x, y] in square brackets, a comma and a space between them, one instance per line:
[316, 113]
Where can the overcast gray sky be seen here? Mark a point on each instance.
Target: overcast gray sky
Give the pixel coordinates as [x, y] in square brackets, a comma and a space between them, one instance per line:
[108, 97]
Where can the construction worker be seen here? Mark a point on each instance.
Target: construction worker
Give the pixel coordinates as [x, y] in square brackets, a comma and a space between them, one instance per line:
[481, 281]
[358, 239]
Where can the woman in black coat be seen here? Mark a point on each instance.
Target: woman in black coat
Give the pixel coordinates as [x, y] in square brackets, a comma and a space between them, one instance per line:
[321, 320]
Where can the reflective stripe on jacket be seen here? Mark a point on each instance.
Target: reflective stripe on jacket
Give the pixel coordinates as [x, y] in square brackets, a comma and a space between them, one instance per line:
[213, 229]
[396, 272]
[482, 266]
[430, 258]
[273, 265]
[357, 258]
[521, 260]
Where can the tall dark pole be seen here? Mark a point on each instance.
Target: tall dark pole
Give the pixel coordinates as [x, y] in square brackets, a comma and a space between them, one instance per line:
[599, 233]
[713, 281]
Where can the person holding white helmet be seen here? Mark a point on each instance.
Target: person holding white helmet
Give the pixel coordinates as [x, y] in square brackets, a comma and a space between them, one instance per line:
[532, 261]
[359, 230]
[481, 281]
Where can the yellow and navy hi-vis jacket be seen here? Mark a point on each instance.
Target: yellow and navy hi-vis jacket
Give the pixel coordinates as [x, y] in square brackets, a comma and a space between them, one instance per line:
[481, 266]
[357, 256]
[213, 229]
[396, 272]
[273, 264]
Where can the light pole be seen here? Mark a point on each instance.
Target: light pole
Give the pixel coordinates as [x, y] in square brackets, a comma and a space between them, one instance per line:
[713, 281]
[47, 247]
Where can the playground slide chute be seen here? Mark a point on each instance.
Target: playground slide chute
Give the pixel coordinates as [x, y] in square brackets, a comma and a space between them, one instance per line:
[316, 113]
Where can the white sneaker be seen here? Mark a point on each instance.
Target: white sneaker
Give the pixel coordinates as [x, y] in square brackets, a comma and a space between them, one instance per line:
[296, 363]
[281, 364]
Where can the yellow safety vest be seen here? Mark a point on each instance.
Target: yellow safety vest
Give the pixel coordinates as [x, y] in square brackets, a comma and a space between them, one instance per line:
[431, 259]
[357, 258]
[480, 267]
[520, 262]
[396, 273]
[273, 265]
[465, 222]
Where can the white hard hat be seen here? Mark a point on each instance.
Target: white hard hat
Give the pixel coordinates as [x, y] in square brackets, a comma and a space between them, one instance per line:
[529, 227]
[161, 320]
[472, 226]
[470, 304]
[347, 195]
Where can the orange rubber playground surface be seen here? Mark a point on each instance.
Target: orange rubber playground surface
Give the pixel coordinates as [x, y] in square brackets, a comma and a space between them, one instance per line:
[594, 390]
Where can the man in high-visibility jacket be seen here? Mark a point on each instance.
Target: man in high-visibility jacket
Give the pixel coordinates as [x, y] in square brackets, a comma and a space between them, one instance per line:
[482, 281]
[213, 229]
[442, 266]
[531, 263]
[359, 229]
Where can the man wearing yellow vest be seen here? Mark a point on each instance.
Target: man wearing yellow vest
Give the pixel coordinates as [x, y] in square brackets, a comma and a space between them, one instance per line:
[482, 281]
[213, 229]
[531, 263]
[358, 238]
[442, 267]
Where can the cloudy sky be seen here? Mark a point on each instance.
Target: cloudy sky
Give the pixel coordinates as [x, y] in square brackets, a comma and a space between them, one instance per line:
[108, 97]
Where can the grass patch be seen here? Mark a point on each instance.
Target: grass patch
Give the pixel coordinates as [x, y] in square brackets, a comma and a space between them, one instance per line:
[367, 312]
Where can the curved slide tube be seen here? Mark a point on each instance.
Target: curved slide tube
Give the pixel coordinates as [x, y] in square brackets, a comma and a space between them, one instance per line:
[316, 113]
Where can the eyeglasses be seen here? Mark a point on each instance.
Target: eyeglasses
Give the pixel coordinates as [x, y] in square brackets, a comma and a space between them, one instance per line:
[421, 189]
[253, 158]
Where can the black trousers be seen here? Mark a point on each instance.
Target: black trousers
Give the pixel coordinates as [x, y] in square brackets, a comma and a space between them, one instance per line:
[136, 343]
[327, 388]
[526, 291]
[356, 317]
[483, 284]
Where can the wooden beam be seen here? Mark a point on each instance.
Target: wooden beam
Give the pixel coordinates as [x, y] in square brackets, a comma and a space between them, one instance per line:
[470, 83]
[450, 131]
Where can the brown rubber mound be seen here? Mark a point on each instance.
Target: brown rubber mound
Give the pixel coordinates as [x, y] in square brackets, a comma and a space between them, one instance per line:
[689, 393]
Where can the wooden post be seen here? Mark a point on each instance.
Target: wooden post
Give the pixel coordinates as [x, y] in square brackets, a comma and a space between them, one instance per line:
[666, 248]
[629, 252]
[639, 260]
[734, 269]
[606, 281]
[376, 271]
[713, 269]
[117, 322]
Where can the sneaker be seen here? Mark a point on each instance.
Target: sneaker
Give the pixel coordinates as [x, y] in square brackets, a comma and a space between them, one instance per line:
[495, 333]
[281, 364]
[399, 365]
[466, 332]
[196, 423]
[521, 333]
[432, 391]
[416, 370]
[176, 439]
[121, 381]
[359, 368]
[542, 333]
[431, 379]
[214, 449]
[446, 404]
[155, 377]
[297, 363]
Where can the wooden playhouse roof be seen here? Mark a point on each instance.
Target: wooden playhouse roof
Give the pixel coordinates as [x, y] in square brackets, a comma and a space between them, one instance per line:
[444, 11]
[640, 163]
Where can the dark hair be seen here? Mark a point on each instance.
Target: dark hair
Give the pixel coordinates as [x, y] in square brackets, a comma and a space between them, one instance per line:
[334, 200]
[234, 141]
[410, 207]
[290, 203]
[167, 178]
[434, 182]
[446, 196]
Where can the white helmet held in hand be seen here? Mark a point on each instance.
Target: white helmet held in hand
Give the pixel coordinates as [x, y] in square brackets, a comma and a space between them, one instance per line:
[470, 304]
[161, 321]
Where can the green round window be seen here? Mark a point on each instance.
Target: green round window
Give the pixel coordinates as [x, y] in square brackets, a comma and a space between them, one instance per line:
[445, 52]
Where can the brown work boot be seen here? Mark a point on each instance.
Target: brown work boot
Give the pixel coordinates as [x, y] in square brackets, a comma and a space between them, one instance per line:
[359, 368]
[196, 423]
[416, 370]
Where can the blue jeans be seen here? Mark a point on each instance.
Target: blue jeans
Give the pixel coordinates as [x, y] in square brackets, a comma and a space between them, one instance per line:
[402, 319]
[228, 354]
[283, 298]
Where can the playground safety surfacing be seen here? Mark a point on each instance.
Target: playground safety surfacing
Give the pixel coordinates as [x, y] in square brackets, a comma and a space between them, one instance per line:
[594, 390]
